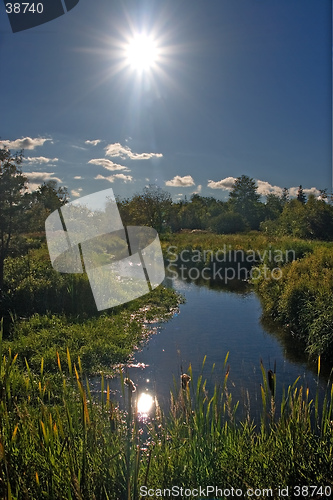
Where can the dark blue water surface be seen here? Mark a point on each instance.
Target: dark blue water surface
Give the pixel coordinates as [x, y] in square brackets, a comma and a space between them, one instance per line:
[214, 322]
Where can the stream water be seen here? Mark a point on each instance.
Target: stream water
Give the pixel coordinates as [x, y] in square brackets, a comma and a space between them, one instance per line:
[214, 321]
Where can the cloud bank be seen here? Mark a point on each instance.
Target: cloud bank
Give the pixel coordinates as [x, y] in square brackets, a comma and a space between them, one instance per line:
[25, 143]
[37, 178]
[108, 164]
[225, 184]
[112, 178]
[263, 187]
[40, 159]
[124, 152]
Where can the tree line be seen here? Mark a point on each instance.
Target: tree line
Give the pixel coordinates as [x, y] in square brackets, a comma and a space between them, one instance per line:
[23, 211]
[309, 218]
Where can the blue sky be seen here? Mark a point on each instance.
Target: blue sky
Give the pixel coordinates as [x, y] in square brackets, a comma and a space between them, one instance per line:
[239, 87]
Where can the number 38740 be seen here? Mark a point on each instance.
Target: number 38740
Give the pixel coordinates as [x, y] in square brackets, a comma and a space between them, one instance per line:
[24, 8]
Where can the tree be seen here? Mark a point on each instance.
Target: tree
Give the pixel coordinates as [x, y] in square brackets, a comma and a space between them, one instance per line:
[12, 202]
[51, 196]
[300, 195]
[228, 223]
[285, 195]
[323, 194]
[40, 203]
[274, 206]
[151, 208]
[244, 200]
[292, 220]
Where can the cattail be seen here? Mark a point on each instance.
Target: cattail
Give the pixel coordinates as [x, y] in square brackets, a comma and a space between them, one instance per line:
[270, 376]
[185, 380]
[130, 384]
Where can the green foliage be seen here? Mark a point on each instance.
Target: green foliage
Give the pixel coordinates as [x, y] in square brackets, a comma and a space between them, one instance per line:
[303, 300]
[151, 208]
[69, 444]
[244, 200]
[32, 285]
[274, 206]
[300, 195]
[100, 341]
[228, 223]
[311, 220]
[253, 240]
[12, 185]
[40, 203]
[242, 212]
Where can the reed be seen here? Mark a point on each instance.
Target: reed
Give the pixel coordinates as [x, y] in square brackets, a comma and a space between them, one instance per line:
[67, 444]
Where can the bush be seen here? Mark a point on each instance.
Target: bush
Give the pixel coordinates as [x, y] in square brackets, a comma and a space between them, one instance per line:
[303, 300]
[228, 223]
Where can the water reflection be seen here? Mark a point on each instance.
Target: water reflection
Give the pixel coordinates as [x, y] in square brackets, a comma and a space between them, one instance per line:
[144, 404]
[213, 323]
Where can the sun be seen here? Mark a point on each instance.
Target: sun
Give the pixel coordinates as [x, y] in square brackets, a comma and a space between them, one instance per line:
[141, 52]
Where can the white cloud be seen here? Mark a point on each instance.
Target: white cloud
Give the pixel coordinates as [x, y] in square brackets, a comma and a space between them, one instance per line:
[123, 152]
[75, 193]
[312, 190]
[41, 176]
[111, 178]
[179, 181]
[40, 159]
[37, 178]
[294, 190]
[265, 188]
[225, 184]
[93, 143]
[108, 164]
[25, 143]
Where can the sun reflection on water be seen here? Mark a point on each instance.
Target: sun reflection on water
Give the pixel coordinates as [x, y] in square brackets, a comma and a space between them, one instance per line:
[144, 404]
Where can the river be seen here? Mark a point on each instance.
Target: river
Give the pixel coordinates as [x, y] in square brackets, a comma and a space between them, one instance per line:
[214, 321]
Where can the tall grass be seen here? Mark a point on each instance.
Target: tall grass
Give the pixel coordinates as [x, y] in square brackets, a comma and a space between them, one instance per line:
[253, 240]
[68, 445]
[303, 300]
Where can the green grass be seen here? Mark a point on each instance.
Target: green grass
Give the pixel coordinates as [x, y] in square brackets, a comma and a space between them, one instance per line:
[72, 446]
[101, 341]
[47, 312]
[303, 300]
[253, 240]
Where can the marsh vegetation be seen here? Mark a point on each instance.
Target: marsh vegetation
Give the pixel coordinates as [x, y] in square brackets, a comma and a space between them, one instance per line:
[58, 441]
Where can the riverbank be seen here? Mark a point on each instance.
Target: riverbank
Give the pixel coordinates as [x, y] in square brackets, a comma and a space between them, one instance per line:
[293, 277]
[49, 312]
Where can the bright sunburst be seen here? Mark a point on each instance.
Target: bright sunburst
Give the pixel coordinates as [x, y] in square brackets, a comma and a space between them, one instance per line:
[141, 52]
